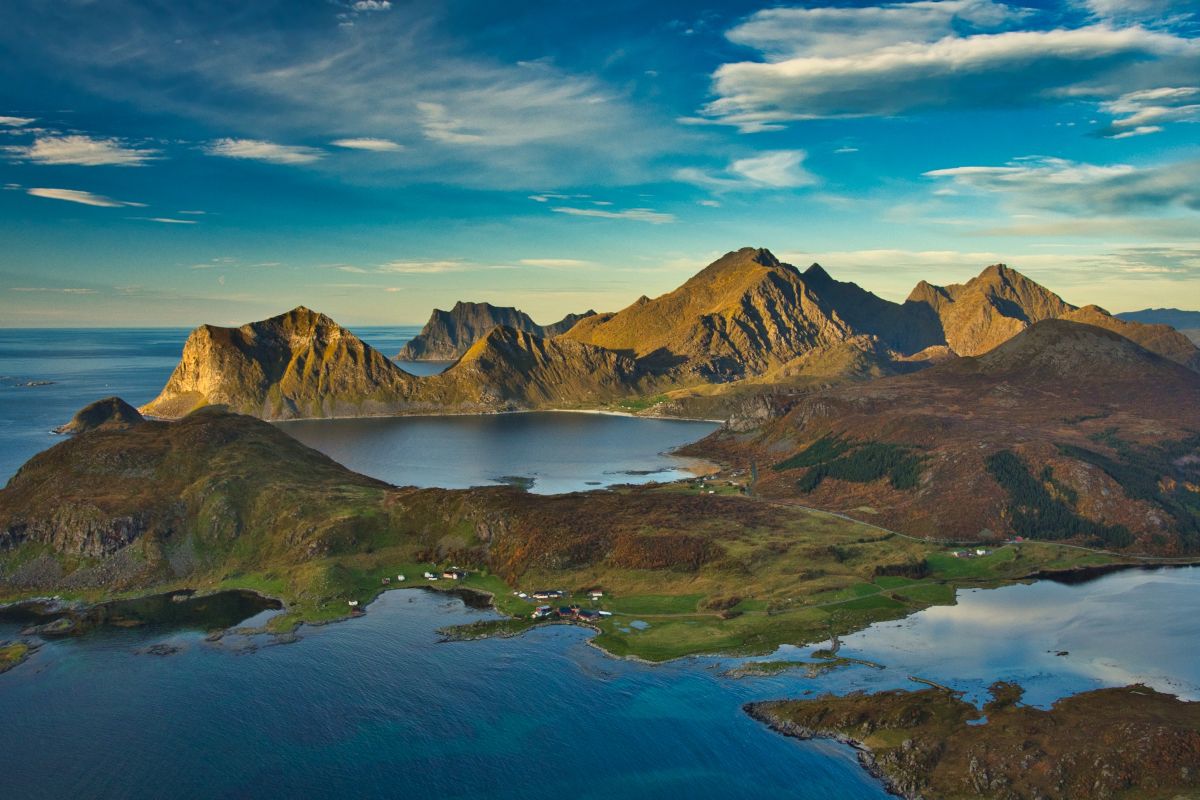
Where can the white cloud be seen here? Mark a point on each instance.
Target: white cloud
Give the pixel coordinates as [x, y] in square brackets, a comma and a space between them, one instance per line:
[780, 169]
[85, 198]
[82, 151]
[423, 267]
[709, 203]
[197, 213]
[1056, 184]
[781, 33]
[167, 220]
[554, 262]
[374, 145]
[259, 150]
[68, 290]
[1139, 9]
[856, 72]
[1147, 110]
[637, 214]
[439, 126]
[372, 5]
[16, 122]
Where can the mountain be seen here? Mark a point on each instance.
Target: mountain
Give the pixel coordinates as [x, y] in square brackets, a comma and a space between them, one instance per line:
[1065, 431]
[111, 413]
[744, 314]
[749, 314]
[303, 364]
[1186, 322]
[298, 364]
[507, 365]
[449, 334]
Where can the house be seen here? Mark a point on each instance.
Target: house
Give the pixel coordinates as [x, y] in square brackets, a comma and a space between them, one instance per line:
[400, 578]
[541, 612]
[386, 581]
[454, 574]
[547, 594]
[587, 615]
[429, 576]
[979, 551]
[595, 594]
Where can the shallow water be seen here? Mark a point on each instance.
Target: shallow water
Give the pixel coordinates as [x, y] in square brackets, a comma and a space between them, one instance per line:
[376, 707]
[559, 451]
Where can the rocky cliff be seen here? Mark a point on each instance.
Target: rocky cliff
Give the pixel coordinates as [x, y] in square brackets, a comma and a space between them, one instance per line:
[298, 364]
[303, 364]
[449, 334]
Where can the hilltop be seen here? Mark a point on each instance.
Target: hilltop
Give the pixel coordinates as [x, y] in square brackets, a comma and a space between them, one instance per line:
[1066, 431]
[109, 413]
[449, 334]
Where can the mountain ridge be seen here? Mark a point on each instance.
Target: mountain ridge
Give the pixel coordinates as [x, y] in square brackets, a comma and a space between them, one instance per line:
[449, 334]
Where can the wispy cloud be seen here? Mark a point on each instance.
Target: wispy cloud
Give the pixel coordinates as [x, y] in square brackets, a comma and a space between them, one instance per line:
[1146, 111]
[909, 57]
[52, 290]
[17, 122]
[1057, 184]
[554, 262]
[259, 150]
[82, 151]
[423, 267]
[780, 169]
[167, 220]
[82, 197]
[374, 145]
[636, 214]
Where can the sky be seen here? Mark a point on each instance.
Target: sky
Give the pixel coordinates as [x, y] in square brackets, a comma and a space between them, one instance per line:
[166, 163]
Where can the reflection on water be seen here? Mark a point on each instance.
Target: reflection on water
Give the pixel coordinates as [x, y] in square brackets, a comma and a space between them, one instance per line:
[1126, 627]
[556, 451]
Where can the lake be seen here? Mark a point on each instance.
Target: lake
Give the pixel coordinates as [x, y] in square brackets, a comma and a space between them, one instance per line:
[47, 375]
[556, 451]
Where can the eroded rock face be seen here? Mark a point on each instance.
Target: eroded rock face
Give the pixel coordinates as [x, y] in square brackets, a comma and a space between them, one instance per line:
[303, 364]
[450, 334]
[299, 364]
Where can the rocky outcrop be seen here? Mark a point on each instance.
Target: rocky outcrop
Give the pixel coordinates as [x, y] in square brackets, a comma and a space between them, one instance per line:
[111, 413]
[449, 334]
[1130, 742]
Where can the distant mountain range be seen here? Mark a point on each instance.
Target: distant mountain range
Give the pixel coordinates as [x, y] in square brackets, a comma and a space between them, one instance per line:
[449, 334]
[1186, 322]
[745, 316]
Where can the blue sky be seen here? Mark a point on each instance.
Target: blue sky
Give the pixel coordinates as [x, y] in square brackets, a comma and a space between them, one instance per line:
[170, 163]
